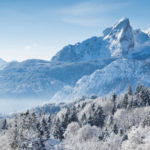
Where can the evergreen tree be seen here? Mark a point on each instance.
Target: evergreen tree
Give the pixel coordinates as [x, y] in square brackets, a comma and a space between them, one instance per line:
[146, 121]
[45, 128]
[4, 126]
[22, 136]
[14, 143]
[110, 120]
[91, 121]
[58, 130]
[97, 118]
[114, 97]
[50, 121]
[130, 90]
[125, 101]
[73, 115]
[84, 119]
[93, 107]
[138, 89]
[38, 144]
[115, 129]
[144, 94]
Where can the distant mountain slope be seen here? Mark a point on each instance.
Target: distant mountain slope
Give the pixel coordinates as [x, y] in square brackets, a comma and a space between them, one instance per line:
[90, 49]
[42, 79]
[116, 77]
[148, 31]
[3, 63]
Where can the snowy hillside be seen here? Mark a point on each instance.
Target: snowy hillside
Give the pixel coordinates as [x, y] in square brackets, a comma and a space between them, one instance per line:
[42, 79]
[95, 66]
[117, 122]
[3, 63]
[116, 77]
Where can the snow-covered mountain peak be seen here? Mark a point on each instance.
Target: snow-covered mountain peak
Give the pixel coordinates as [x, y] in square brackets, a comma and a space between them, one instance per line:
[122, 23]
[148, 31]
[121, 38]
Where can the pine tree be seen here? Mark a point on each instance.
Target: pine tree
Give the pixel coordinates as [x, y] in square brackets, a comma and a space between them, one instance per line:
[93, 107]
[38, 144]
[125, 101]
[114, 97]
[84, 119]
[14, 143]
[115, 129]
[58, 130]
[110, 120]
[45, 128]
[144, 94]
[138, 89]
[4, 126]
[97, 118]
[73, 115]
[23, 140]
[130, 90]
[50, 124]
[146, 121]
[91, 121]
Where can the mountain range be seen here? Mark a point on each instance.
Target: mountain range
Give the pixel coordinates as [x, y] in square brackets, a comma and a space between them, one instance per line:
[102, 65]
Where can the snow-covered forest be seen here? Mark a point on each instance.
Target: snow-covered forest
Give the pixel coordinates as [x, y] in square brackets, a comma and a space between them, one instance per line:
[117, 122]
[74, 78]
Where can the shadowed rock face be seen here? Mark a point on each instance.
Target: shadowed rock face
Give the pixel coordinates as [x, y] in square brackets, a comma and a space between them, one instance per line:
[121, 38]
[148, 31]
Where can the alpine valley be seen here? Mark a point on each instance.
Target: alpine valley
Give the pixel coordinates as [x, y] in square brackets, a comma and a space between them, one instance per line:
[101, 90]
[102, 65]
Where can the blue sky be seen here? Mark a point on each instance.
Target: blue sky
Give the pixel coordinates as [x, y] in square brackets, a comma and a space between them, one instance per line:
[39, 28]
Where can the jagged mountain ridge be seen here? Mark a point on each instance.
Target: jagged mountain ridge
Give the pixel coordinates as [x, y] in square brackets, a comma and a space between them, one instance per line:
[73, 70]
[131, 48]
[117, 41]
[90, 49]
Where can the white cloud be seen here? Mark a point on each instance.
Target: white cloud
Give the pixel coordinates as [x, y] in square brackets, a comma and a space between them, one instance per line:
[85, 21]
[86, 8]
[90, 13]
[31, 46]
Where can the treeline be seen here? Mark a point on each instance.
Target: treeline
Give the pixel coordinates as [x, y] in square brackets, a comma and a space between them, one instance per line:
[94, 123]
